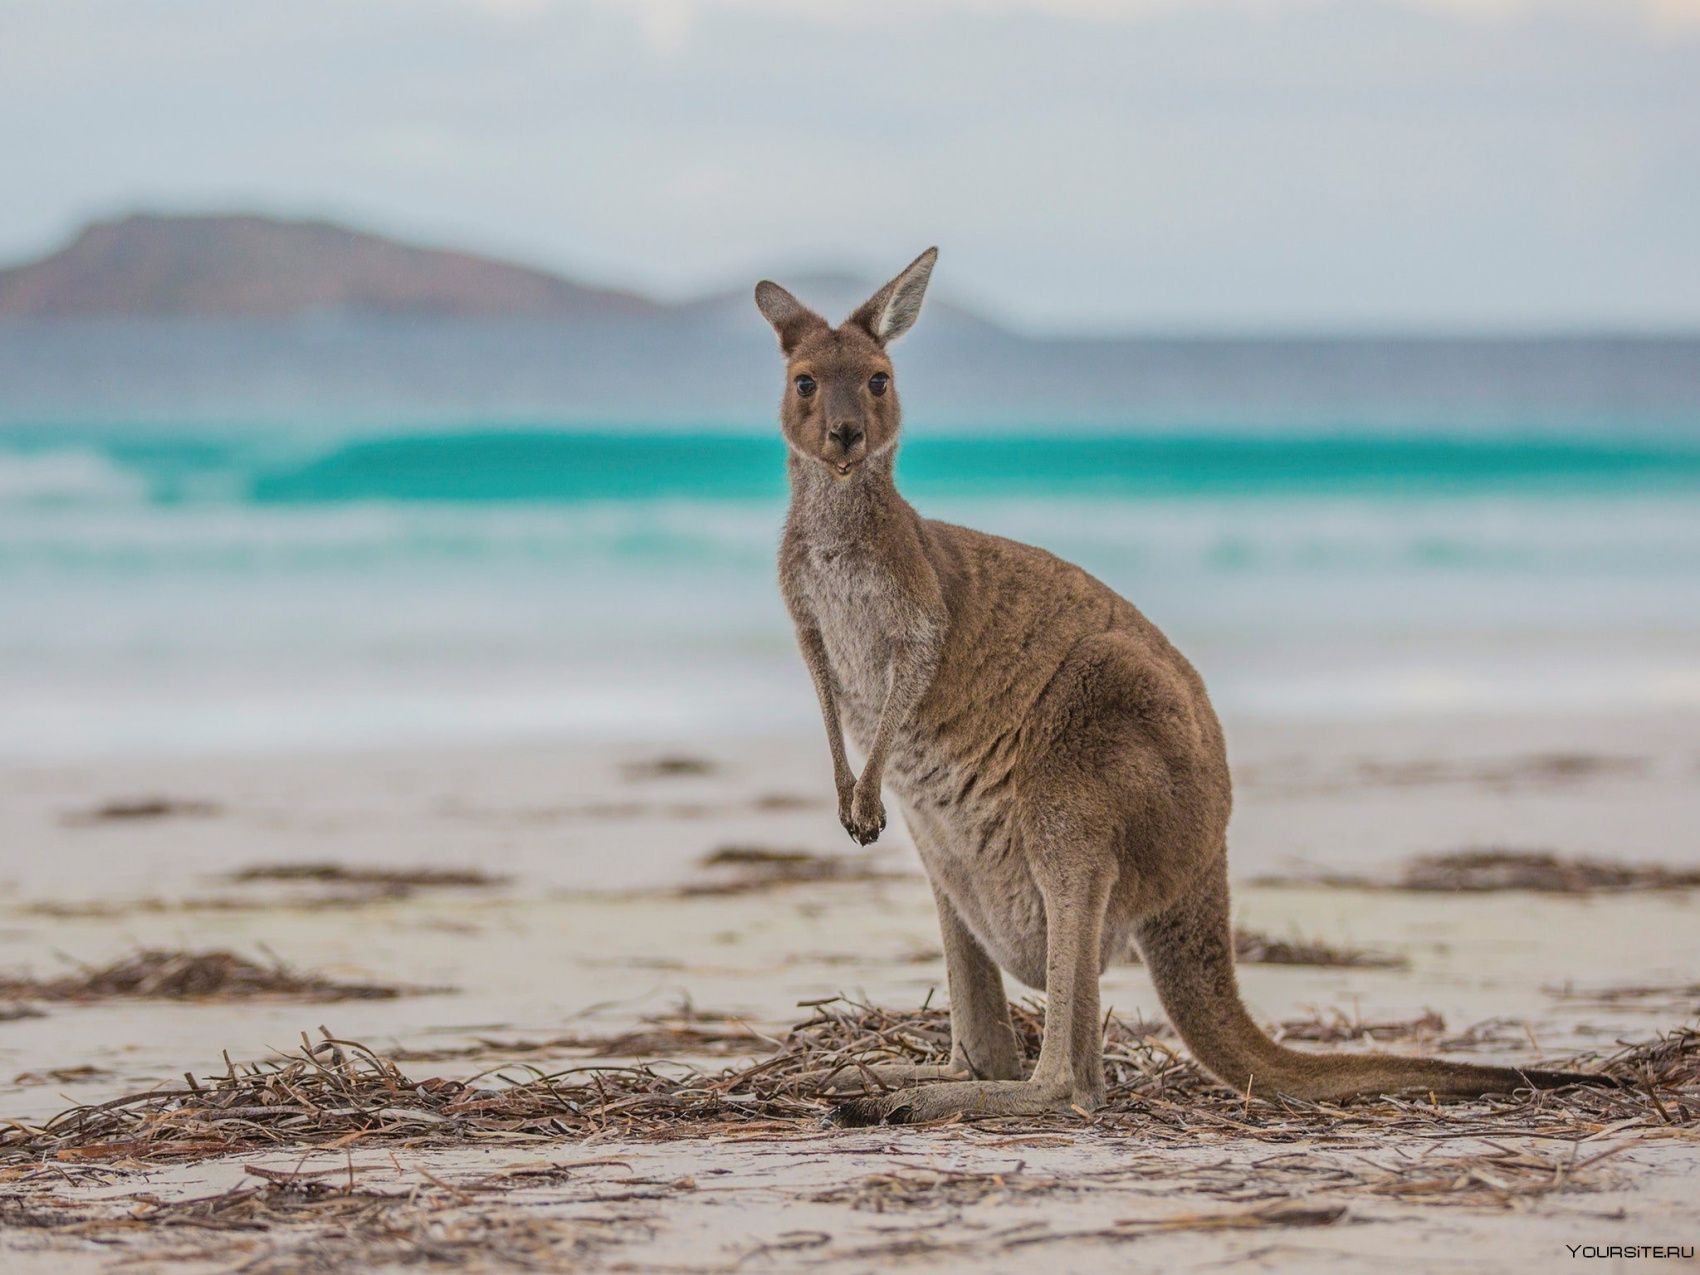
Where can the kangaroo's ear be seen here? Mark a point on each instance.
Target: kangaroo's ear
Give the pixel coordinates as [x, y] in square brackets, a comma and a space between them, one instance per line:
[892, 311]
[791, 319]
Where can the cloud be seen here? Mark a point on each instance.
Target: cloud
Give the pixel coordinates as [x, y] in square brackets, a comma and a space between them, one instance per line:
[891, 13]
[666, 25]
[1217, 162]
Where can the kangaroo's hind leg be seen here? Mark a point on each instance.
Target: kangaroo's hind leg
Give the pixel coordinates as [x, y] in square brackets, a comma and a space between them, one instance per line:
[1076, 886]
[983, 1044]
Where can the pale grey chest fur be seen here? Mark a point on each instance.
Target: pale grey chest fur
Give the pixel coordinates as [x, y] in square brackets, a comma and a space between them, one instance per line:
[857, 608]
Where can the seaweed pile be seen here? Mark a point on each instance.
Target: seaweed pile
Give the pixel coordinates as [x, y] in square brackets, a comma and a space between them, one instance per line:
[748, 869]
[1487, 869]
[157, 974]
[335, 1092]
[397, 881]
[1480, 870]
[278, 1222]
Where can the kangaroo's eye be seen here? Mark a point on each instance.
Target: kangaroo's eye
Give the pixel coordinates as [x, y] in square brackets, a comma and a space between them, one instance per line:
[805, 385]
[878, 382]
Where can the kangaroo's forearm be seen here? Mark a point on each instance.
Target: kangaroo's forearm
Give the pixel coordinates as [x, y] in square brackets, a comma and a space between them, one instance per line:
[814, 655]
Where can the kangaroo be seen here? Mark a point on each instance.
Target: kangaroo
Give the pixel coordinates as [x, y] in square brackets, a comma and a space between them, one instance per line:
[1056, 759]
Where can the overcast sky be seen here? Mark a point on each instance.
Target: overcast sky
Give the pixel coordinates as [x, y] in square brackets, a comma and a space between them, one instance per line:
[1126, 164]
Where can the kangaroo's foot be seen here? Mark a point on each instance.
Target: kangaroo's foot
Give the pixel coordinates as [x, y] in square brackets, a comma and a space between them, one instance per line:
[879, 1078]
[964, 1098]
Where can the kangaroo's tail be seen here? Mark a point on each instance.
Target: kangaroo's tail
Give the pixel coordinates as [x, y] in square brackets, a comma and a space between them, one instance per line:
[1189, 951]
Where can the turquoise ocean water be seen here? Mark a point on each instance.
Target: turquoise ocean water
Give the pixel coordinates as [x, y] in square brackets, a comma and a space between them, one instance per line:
[197, 587]
[337, 532]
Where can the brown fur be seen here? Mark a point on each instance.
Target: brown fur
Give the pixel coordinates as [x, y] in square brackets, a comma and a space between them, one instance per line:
[1055, 757]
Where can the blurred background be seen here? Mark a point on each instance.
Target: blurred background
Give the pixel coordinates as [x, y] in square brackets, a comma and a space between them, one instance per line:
[382, 372]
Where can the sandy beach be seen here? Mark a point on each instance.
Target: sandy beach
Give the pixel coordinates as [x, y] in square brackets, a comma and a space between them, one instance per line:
[546, 907]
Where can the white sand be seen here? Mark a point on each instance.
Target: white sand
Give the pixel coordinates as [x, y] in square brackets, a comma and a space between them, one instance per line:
[589, 931]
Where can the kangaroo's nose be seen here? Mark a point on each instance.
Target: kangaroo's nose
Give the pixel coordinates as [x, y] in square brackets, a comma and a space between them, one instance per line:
[845, 434]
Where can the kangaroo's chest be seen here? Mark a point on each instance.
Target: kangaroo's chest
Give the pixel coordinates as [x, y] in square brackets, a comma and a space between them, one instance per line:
[856, 604]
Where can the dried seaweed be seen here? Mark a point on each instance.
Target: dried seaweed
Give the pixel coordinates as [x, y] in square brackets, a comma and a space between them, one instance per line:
[1539, 768]
[684, 1032]
[1498, 1177]
[1294, 775]
[1481, 870]
[304, 1223]
[1281, 1213]
[1334, 1028]
[785, 801]
[740, 869]
[132, 809]
[336, 1092]
[920, 1188]
[1251, 947]
[315, 901]
[1499, 869]
[218, 975]
[62, 1075]
[1641, 995]
[668, 766]
[757, 856]
[1428, 1031]
[403, 880]
[1495, 1176]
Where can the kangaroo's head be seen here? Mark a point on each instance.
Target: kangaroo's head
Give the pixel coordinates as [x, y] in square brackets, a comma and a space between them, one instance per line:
[840, 406]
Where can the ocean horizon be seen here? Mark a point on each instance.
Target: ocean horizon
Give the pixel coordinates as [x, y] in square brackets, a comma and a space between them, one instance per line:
[209, 563]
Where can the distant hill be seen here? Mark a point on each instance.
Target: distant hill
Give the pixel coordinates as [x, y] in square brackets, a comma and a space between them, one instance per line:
[258, 267]
[266, 267]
